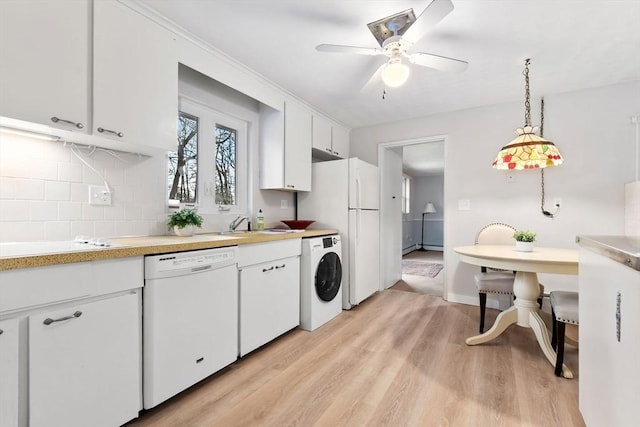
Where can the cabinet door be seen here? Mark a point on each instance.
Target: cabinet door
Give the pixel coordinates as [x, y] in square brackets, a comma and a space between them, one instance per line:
[85, 371]
[609, 305]
[269, 302]
[44, 62]
[321, 134]
[340, 142]
[297, 152]
[135, 78]
[9, 373]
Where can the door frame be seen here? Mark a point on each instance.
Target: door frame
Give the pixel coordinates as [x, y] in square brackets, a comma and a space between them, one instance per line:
[382, 149]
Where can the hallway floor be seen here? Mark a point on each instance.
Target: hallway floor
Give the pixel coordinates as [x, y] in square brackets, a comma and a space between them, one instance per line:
[423, 284]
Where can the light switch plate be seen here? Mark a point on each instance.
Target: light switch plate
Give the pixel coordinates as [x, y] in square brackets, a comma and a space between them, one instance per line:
[284, 204]
[464, 205]
[99, 195]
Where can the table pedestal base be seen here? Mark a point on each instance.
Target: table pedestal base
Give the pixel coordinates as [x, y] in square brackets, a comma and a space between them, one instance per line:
[525, 313]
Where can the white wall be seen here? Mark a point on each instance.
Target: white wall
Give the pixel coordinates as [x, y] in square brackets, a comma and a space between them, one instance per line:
[593, 131]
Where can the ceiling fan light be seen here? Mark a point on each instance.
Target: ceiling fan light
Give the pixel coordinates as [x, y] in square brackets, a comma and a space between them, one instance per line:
[395, 74]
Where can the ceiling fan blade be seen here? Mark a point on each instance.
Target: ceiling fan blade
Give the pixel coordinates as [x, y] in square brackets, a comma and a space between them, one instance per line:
[437, 62]
[376, 78]
[337, 48]
[428, 19]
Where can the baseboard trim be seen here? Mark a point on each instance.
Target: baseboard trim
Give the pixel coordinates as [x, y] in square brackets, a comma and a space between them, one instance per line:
[466, 299]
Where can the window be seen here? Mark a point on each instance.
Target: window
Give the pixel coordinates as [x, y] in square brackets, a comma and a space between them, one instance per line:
[209, 167]
[406, 194]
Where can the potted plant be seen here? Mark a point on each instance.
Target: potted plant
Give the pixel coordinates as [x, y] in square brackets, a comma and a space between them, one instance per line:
[524, 240]
[184, 221]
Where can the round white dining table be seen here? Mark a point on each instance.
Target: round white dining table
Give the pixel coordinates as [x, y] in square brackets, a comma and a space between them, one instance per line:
[525, 311]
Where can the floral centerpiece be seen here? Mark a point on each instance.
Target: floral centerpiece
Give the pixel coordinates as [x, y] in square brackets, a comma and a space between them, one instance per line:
[184, 221]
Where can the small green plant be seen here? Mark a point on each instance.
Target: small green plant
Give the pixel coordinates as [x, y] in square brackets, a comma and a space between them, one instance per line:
[183, 218]
[524, 236]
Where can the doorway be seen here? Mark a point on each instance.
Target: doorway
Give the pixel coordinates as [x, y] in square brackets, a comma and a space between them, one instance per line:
[392, 167]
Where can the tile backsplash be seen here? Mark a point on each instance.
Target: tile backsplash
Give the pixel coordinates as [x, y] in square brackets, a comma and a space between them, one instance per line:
[44, 192]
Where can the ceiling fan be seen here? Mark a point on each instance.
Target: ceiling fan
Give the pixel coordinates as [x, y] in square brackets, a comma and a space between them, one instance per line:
[396, 34]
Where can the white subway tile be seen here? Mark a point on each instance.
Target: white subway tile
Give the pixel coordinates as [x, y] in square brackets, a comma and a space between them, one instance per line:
[21, 231]
[69, 211]
[7, 189]
[82, 228]
[90, 212]
[69, 172]
[114, 212]
[104, 228]
[14, 210]
[57, 230]
[43, 210]
[29, 189]
[55, 190]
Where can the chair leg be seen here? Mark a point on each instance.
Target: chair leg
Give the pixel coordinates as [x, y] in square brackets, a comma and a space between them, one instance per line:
[483, 306]
[560, 350]
[554, 330]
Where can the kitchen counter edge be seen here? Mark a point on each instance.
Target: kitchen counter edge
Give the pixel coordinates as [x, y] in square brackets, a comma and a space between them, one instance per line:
[622, 249]
[153, 245]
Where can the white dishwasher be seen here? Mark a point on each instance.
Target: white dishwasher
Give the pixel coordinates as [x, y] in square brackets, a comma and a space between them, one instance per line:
[190, 319]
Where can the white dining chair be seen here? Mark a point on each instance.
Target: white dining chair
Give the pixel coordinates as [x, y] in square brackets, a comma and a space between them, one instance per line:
[491, 280]
[564, 309]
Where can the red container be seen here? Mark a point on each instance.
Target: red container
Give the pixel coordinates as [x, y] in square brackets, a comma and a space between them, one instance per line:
[297, 224]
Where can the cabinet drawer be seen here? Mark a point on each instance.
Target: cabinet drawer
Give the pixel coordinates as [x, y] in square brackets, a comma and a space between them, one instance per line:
[266, 252]
[43, 285]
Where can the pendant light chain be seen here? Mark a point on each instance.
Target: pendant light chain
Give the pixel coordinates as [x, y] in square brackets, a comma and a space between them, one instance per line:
[544, 212]
[527, 100]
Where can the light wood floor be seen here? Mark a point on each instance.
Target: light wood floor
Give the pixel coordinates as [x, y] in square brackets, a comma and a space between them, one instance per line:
[398, 359]
[433, 286]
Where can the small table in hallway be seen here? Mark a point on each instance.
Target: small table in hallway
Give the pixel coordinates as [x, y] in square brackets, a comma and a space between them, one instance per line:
[525, 311]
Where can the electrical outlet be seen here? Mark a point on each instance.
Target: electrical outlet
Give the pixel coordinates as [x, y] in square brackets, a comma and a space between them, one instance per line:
[284, 204]
[464, 205]
[99, 195]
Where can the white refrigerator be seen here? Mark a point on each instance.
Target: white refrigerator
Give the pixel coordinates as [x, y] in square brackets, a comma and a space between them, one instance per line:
[345, 195]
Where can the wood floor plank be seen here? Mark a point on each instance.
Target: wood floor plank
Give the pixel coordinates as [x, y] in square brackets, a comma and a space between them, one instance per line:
[398, 359]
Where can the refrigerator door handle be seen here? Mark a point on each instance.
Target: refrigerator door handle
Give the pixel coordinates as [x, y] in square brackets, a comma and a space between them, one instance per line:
[358, 192]
[358, 226]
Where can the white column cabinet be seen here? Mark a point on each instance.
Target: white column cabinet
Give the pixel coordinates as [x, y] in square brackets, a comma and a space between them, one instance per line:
[45, 48]
[285, 148]
[85, 370]
[269, 291]
[329, 141]
[609, 345]
[135, 78]
[9, 373]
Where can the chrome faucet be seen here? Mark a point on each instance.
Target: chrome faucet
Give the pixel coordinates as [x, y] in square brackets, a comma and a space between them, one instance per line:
[236, 222]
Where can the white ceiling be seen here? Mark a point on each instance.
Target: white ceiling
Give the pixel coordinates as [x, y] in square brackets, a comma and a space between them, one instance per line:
[573, 44]
[424, 159]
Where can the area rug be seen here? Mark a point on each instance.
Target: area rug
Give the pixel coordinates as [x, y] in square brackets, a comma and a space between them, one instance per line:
[420, 268]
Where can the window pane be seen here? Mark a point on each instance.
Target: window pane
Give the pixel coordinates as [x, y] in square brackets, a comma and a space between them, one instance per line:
[183, 163]
[225, 165]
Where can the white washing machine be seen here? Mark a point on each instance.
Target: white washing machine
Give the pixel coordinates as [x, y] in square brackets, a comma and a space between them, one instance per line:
[320, 281]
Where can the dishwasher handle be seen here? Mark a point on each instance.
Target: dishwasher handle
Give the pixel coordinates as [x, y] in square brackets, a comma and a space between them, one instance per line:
[201, 268]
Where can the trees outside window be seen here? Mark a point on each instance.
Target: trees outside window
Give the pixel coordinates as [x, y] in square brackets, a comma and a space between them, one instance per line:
[209, 167]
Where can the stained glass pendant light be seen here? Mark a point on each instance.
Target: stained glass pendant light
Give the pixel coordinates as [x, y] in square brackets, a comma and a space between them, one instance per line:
[528, 150]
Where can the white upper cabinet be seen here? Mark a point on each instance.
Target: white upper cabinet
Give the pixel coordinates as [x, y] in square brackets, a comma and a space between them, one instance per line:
[285, 148]
[44, 62]
[329, 141]
[135, 78]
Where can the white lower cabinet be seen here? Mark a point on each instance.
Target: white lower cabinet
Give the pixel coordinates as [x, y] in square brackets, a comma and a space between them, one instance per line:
[9, 373]
[609, 345]
[84, 364]
[269, 291]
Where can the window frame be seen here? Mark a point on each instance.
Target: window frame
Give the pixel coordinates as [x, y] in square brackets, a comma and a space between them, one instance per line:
[208, 119]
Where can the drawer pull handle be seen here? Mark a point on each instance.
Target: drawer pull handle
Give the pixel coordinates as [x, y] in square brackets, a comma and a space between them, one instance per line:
[264, 270]
[112, 132]
[280, 266]
[55, 119]
[49, 320]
